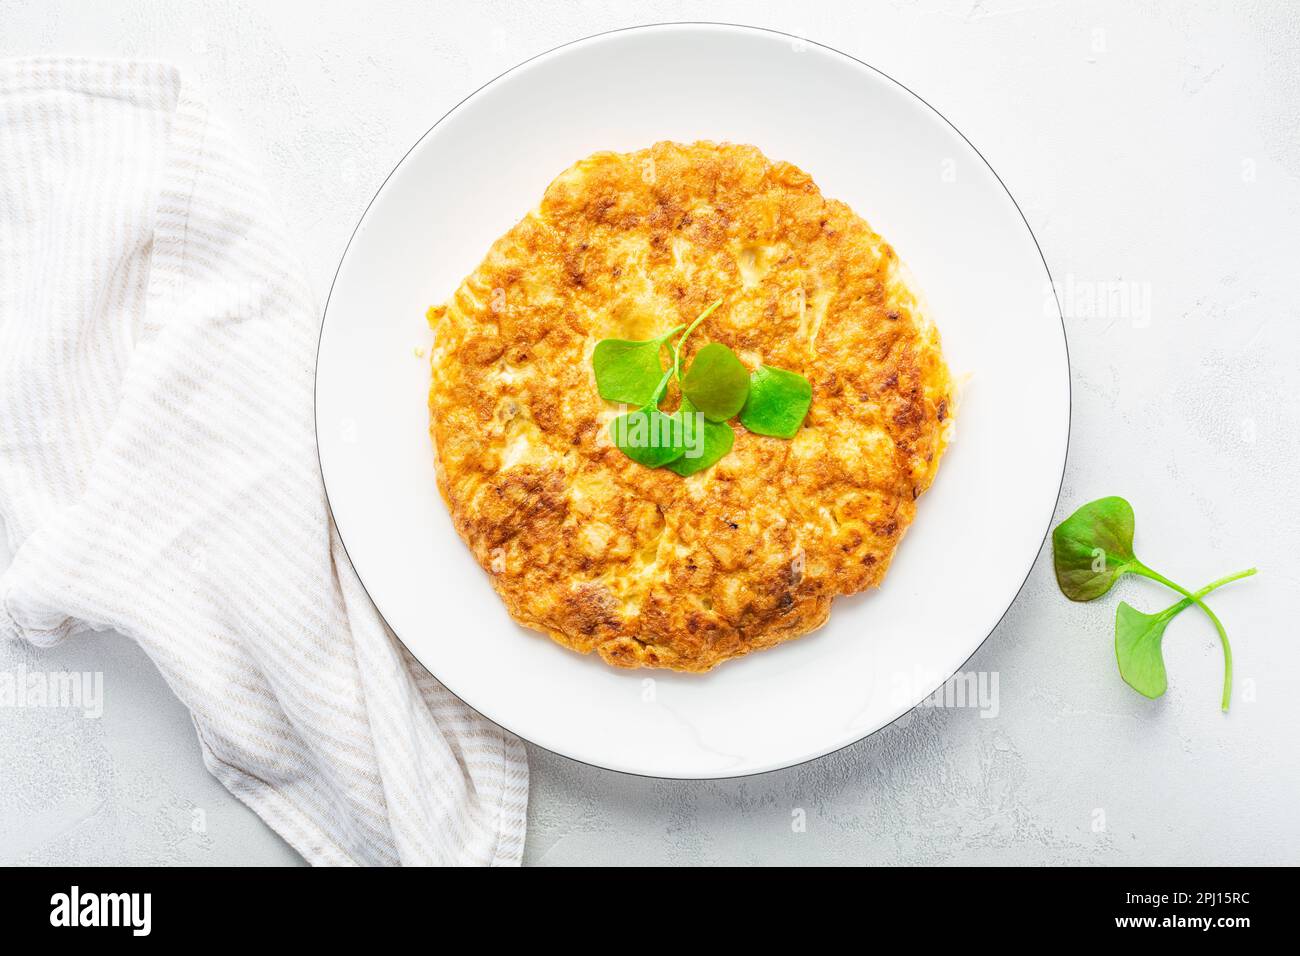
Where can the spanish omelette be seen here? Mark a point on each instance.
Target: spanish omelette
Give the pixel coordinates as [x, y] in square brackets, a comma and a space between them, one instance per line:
[640, 565]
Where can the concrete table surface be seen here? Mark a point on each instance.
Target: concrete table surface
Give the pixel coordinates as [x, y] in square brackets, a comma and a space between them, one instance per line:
[1155, 151]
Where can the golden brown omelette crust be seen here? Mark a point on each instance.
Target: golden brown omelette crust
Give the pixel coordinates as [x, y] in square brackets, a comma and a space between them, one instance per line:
[639, 564]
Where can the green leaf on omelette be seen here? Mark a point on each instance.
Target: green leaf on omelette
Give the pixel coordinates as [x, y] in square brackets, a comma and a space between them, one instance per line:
[627, 371]
[778, 402]
[717, 383]
[648, 436]
[712, 440]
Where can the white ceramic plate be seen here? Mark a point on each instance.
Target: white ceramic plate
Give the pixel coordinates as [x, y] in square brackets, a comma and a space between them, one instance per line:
[866, 140]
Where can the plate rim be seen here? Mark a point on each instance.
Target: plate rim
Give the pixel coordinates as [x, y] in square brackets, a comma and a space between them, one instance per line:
[744, 28]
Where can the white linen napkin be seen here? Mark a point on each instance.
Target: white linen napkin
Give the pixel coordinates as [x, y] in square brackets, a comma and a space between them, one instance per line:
[158, 475]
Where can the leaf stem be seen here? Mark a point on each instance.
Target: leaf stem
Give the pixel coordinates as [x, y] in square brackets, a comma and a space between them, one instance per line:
[660, 389]
[1226, 579]
[677, 348]
[1190, 598]
[671, 332]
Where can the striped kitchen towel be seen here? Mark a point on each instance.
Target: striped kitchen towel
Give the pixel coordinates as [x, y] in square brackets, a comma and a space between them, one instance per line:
[158, 475]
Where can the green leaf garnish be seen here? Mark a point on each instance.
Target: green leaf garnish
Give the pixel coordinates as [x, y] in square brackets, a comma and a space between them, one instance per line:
[1091, 550]
[1138, 639]
[717, 383]
[1137, 647]
[716, 387]
[647, 435]
[778, 401]
[628, 371]
[705, 441]
[1093, 547]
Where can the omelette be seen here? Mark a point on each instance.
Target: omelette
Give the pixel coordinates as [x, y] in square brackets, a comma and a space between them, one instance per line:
[641, 565]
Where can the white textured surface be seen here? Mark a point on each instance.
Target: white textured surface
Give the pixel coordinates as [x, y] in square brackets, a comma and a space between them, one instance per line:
[1153, 145]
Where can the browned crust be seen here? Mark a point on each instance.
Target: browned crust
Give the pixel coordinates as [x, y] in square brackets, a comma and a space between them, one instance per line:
[640, 565]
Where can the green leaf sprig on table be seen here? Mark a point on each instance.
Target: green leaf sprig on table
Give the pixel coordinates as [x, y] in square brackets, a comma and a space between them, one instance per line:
[1091, 550]
[714, 389]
